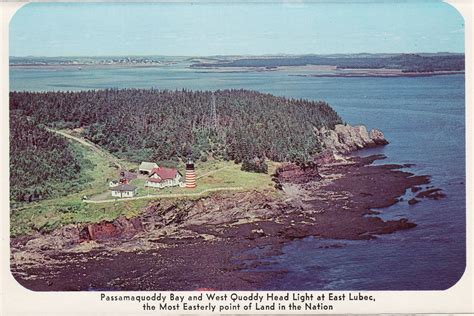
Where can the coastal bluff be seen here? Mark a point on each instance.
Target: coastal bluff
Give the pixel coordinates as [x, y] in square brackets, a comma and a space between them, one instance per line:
[345, 138]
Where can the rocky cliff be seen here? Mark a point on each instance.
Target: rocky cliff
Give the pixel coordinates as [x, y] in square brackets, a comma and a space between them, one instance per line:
[346, 138]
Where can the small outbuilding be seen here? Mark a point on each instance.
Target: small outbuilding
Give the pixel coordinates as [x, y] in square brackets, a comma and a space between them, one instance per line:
[124, 191]
[147, 167]
[125, 174]
[113, 183]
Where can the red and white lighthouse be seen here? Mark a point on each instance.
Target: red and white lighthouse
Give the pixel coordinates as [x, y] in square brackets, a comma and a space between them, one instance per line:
[190, 175]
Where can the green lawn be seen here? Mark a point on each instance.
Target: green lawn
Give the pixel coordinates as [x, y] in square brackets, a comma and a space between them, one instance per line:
[210, 175]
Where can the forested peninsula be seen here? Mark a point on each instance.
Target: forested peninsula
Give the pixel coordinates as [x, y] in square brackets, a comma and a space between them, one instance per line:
[155, 125]
[170, 125]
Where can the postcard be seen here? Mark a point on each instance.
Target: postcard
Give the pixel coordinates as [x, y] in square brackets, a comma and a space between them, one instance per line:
[243, 157]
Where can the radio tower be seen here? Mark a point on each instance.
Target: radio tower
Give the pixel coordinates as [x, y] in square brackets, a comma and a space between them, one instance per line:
[213, 112]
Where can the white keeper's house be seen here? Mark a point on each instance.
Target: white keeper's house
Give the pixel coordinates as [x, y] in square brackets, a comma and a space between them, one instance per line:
[124, 191]
[164, 177]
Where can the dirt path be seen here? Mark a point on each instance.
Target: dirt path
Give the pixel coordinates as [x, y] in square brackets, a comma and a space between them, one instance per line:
[170, 195]
[211, 172]
[90, 145]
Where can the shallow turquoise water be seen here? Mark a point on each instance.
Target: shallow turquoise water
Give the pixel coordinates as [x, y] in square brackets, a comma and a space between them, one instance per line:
[424, 120]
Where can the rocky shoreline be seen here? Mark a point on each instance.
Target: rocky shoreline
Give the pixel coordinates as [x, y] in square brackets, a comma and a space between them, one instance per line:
[209, 242]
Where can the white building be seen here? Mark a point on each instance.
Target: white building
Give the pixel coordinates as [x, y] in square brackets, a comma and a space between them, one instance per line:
[147, 167]
[124, 191]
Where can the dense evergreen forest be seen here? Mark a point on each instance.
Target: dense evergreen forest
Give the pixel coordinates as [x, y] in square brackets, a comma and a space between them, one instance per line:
[42, 164]
[163, 125]
[404, 62]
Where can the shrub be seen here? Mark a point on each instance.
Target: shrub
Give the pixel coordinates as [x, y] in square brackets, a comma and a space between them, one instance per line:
[254, 165]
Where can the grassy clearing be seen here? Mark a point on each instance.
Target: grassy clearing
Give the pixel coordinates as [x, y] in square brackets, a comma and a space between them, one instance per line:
[44, 218]
[47, 215]
[210, 175]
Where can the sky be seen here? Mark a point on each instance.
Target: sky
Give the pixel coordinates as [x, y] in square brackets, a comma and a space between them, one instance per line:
[206, 29]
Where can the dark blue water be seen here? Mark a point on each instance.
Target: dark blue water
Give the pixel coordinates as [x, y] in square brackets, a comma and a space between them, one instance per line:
[424, 120]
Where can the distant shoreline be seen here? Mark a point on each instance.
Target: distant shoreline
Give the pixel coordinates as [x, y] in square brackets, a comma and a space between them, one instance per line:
[329, 71]
[316, 71]
[85, 66]
[405, 64]
[369, 74]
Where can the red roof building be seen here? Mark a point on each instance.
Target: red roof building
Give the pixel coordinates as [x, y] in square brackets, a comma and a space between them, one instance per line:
[164, 173]
[164, 177]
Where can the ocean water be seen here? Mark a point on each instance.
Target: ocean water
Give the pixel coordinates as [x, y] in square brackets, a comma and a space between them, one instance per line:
[422, 117]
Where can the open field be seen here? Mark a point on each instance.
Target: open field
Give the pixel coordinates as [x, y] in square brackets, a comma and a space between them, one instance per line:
[211, 176]
[44, 216]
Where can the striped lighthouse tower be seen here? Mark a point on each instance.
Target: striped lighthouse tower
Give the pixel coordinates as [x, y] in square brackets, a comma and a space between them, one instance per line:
[190, 175]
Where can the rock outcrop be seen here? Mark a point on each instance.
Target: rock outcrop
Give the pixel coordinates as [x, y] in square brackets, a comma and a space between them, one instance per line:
[297, 174]
[346, 138]
[120, 227]
[377, 137]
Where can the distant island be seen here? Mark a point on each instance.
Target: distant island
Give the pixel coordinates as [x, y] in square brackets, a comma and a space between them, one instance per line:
[403, 62]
